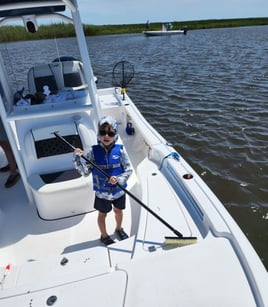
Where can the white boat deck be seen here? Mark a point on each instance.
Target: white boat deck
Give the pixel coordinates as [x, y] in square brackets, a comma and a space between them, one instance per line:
[38, 238]
[67, 254]
[51, 254]
[43, 238]
[38, 250]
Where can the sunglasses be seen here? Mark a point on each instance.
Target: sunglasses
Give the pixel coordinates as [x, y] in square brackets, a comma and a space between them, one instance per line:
[109, 133]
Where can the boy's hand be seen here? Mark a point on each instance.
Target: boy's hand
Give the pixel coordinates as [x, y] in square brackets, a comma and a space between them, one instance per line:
[113, 180]
[79, 151]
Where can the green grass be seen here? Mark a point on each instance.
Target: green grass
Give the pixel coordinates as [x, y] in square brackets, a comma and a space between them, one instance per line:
[18, 33]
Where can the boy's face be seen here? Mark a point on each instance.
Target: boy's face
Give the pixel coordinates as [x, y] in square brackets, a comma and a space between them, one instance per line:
[107, 135]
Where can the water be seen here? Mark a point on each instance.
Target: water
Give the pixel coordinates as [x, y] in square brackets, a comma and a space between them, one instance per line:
[206, 93]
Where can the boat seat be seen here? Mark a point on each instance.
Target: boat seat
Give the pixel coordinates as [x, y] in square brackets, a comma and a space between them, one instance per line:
[48, 81]
[57, 76]
[59, 191]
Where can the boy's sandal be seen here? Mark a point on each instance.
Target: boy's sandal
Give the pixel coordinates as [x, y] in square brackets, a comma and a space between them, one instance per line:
[107, 241]
[121, 234]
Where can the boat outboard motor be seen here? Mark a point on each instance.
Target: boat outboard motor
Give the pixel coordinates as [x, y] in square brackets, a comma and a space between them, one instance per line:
[185, 29]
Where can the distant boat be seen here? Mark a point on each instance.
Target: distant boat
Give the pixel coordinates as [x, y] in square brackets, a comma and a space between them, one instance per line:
[165, 32]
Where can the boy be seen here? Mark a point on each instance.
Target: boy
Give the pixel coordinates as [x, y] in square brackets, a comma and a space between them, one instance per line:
[113, 159]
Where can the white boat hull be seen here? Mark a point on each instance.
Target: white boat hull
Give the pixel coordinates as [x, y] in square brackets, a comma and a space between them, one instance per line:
[50, 252]
[164, 32]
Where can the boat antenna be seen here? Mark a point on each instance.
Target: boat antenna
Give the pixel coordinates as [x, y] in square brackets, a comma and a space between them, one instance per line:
[56, 42]
[123, 73]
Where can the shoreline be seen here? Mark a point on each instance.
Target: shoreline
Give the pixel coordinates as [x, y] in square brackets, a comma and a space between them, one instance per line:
[18, 33]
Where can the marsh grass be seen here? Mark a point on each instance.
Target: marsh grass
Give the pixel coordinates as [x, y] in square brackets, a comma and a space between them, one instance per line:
[18, 33]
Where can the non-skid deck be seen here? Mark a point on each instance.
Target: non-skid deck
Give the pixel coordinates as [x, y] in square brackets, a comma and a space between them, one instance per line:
[24, 236]
[66, 254]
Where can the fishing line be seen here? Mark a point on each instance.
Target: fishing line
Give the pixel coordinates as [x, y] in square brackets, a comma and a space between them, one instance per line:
[57, 46]
[55, 39]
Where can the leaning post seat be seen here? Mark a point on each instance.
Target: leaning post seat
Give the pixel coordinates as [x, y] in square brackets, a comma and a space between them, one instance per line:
[57, 76]
[58, 190]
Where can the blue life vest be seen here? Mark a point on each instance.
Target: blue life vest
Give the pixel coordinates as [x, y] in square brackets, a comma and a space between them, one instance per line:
[109, 162]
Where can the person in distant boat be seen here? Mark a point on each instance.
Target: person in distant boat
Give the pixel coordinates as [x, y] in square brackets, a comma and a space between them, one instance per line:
[169, 26]
[112, 159]
[147, 26]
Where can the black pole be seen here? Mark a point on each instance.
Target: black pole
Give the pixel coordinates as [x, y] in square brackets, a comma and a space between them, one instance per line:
[122, 188]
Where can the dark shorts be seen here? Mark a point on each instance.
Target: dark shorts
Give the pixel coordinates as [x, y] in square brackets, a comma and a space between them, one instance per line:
[105, 206]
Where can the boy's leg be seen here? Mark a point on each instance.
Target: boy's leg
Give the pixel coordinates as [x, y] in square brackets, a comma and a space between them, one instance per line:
[119, 206]
[118, 218]
[105, 238]
[102, 224]
[103, 206]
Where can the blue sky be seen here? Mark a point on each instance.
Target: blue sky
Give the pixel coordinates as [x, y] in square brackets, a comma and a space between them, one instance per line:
[99, 12]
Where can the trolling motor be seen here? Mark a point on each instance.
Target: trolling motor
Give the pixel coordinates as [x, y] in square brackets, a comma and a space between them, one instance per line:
[123, 73]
